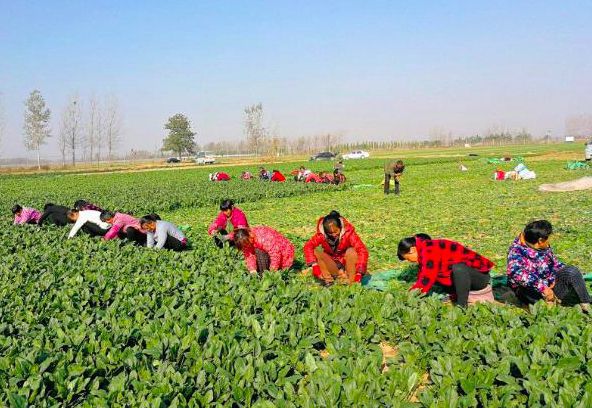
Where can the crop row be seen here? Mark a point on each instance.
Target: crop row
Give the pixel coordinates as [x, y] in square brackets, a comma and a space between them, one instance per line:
[145, 192]
[88, 323]
[157, 191]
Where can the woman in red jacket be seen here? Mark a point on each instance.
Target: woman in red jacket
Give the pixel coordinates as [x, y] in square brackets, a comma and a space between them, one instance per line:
[219, 176]
[313, 178]
[342, 255]
[447, 263]
[278, 176]
[264, 249]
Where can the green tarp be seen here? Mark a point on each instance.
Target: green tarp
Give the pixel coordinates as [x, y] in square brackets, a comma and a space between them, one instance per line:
[494, 160]
[380, 280]
[576, 165]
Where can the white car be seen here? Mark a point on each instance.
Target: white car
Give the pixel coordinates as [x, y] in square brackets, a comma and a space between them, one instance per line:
[356, 154]
[204, 158]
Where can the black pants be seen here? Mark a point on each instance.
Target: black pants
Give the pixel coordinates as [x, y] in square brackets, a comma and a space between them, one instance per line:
[570, 288]
[135, 236]
[94, 230]
[387, 183]
[54, 214]
[174, 244]
[263, 260]
[465, 279]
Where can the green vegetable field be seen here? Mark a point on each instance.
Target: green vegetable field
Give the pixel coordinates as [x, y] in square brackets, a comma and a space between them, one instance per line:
[89, 323]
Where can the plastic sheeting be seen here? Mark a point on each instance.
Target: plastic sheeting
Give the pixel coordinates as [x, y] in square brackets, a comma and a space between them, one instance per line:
[583, 183]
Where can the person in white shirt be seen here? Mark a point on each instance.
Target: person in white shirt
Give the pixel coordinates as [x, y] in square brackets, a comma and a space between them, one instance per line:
[162, 234]
[89, 221]
[303, 173]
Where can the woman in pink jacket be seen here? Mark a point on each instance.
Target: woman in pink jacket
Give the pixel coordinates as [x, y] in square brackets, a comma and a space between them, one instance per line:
[25, 215]
[123, 226]
[228, 213]
[264, 249]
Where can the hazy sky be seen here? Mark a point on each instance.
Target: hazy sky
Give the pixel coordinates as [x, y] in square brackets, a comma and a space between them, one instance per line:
[371, 70]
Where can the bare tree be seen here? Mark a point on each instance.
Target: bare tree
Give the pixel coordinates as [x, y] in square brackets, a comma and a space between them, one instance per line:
[330, 140]
[63, 135]
[100, 137]
[254, 130]
[93, 126]
[73, 126]
[497, 135]
[303, 144]
[112, 125]
[276, 145]
[523, 136]
[36, 124]
[440, 136]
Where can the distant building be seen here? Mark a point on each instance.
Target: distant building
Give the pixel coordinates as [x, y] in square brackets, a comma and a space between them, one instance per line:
[570, 139]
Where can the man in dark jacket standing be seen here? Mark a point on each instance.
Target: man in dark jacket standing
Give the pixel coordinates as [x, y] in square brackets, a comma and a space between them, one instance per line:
[394, 169]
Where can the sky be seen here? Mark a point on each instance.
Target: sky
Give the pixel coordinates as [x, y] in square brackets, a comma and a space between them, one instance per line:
[372, 70]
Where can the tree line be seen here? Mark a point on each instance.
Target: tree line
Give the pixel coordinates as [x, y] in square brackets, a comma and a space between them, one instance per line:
[88, 131]
[91, 131]
[260, 139]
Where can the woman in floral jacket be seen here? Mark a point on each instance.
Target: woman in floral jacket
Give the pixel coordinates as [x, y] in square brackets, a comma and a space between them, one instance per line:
[264, 249]
[535, 273]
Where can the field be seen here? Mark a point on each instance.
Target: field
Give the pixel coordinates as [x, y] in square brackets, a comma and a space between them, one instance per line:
[88, 323]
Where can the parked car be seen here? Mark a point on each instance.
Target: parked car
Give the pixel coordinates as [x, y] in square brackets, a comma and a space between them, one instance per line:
[204, 158]
[173, 160]
[356, 154]
[588, 151]
[323, 156]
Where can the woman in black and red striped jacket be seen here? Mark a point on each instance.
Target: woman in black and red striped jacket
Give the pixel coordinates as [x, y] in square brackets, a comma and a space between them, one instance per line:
[448, 263]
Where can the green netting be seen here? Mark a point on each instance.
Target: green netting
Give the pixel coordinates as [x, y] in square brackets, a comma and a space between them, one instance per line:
[495, 160]
[381, 280]
[576, 165]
